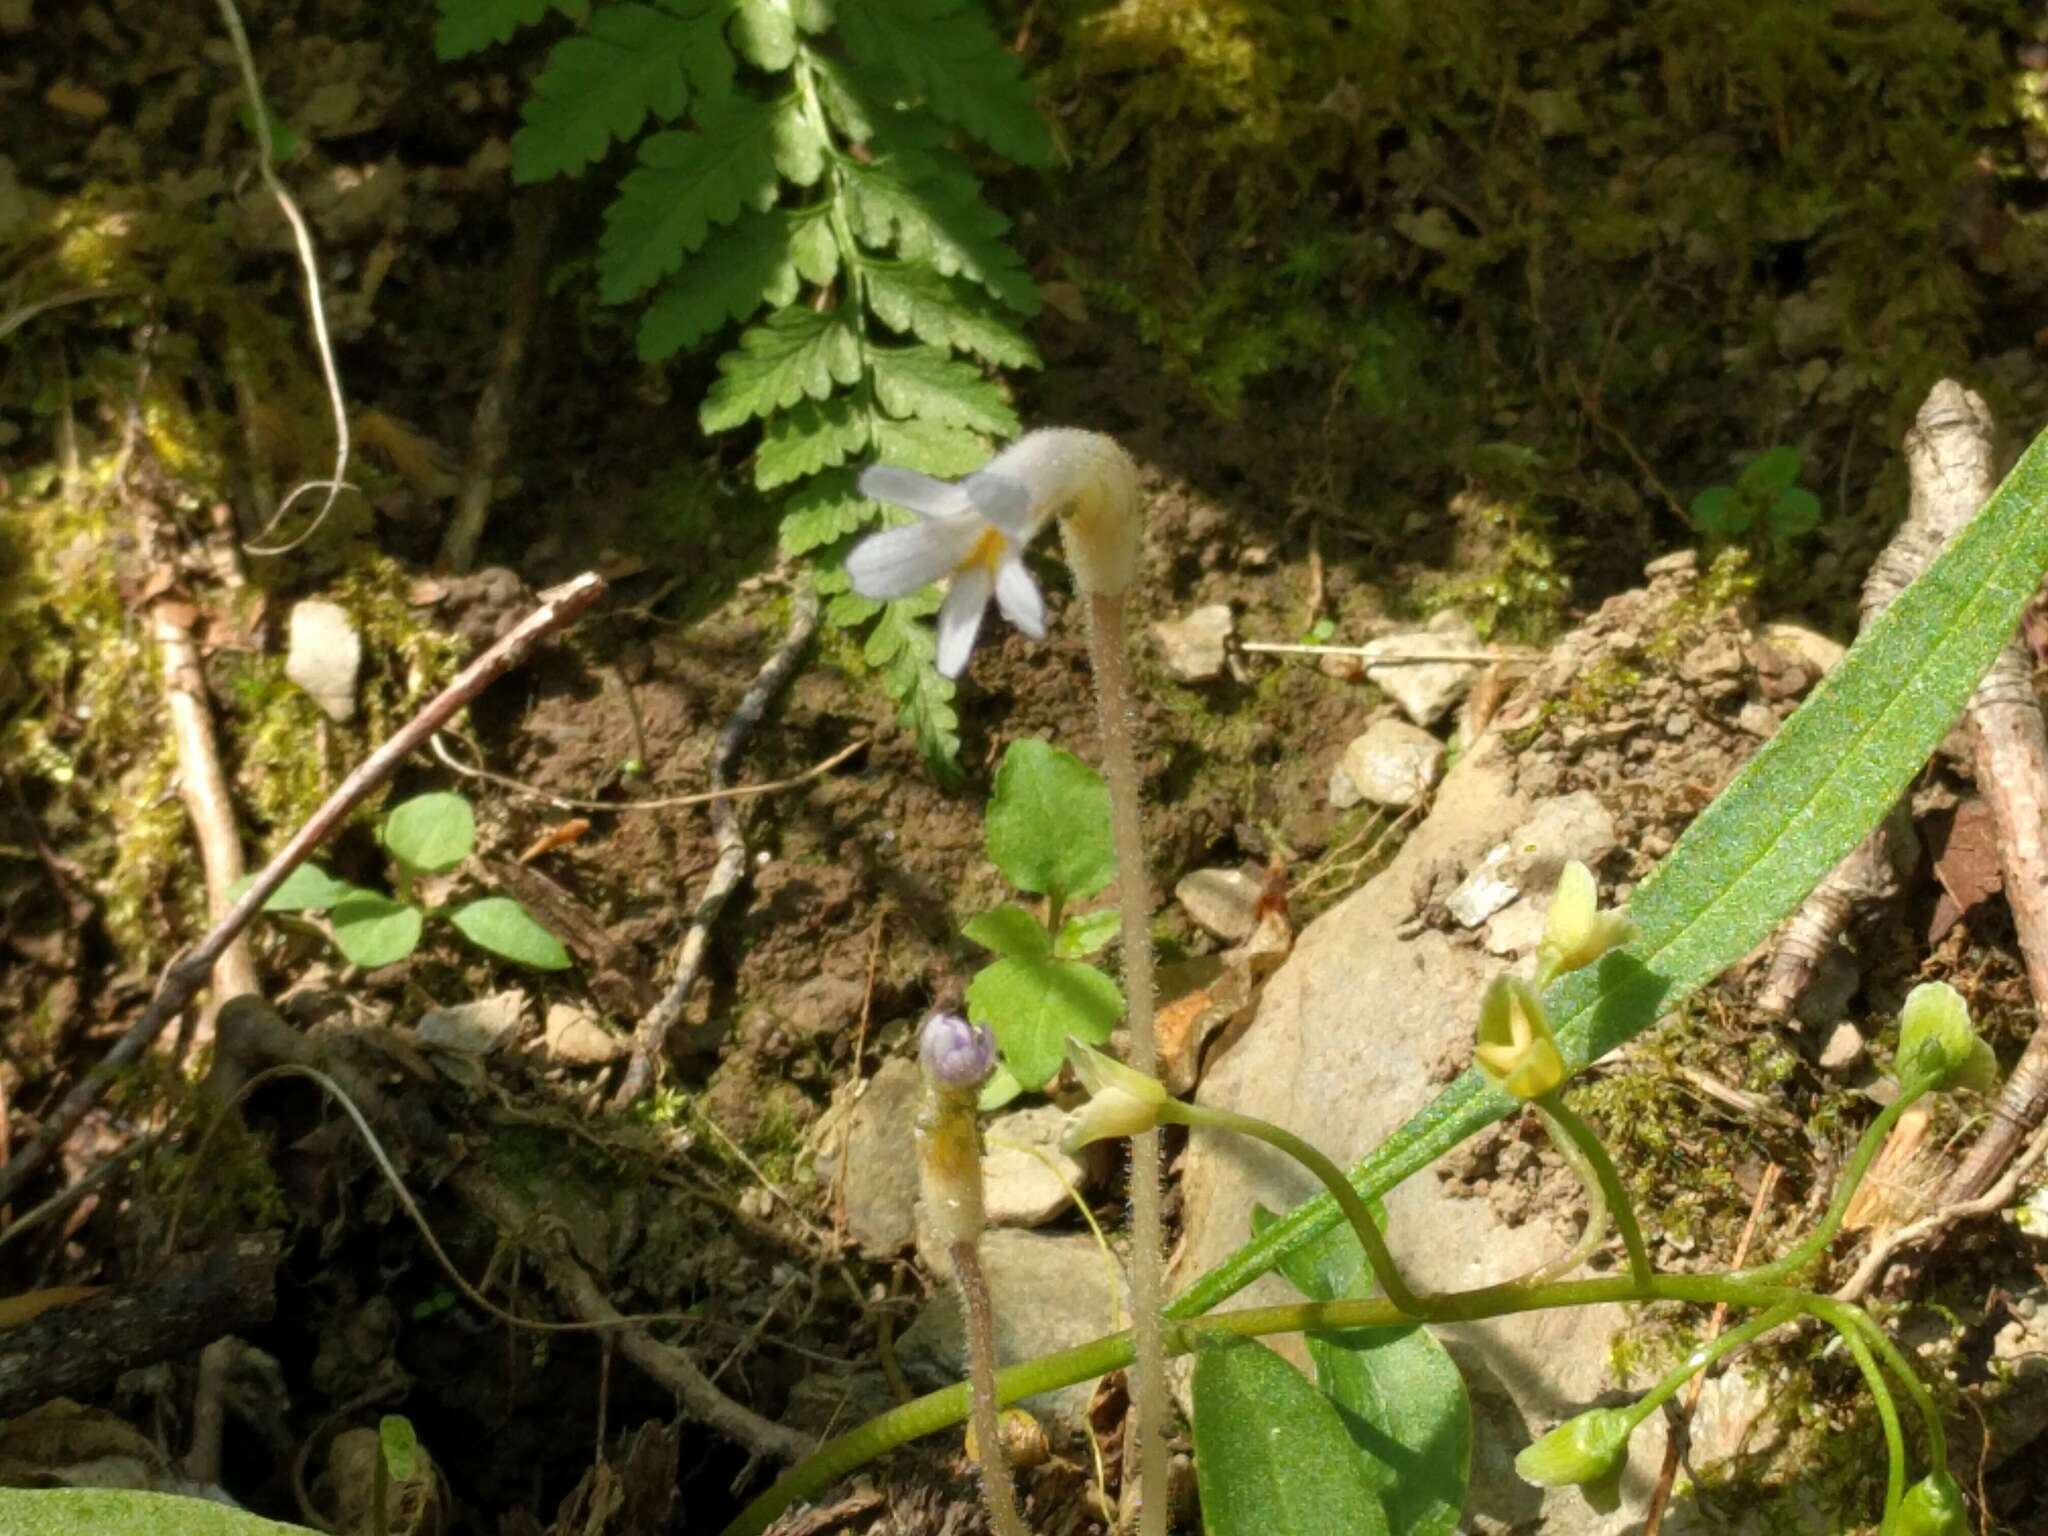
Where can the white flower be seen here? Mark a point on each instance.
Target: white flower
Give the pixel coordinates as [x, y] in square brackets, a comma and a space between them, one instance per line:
[971, 535]
[1122, 1101]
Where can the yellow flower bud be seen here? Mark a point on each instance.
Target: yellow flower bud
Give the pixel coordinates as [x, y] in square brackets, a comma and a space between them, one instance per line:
[1575, 931]
[1516, 1048]
[1580, 1450]
[1122, 1101]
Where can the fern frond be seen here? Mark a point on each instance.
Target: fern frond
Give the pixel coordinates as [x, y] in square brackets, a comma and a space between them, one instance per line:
[633, 62]
[824, 512]
[685, 185]
[470, 26]
[765, 31]
[932, 385]
[906, 653]
[796, 354]
[927, 204]
[931, 446]
[946, 52]
[747, 264]
[812, 436]
[944, 311]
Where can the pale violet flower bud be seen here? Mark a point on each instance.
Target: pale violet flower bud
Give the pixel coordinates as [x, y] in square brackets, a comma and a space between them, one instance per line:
[1122, 1101]
[1580, 1450]
[1936, 1040]
[956, 1056]
[1933, 1507]
[1575, 931]
[1516, 1048]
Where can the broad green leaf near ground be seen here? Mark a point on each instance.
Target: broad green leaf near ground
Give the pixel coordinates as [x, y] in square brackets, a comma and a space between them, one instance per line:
[119, 1512]
[502, 926]
[1048, 823]
[1810, 794]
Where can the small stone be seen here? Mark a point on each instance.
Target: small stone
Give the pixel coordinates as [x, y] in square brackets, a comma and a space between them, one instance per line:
[1426, 690]
[474, 1028]
[1342, 792]
[1759, 719]
[1019, 1187]
[576, 1039]
[1679, 562]
[1843, 1052]
[1563, 828]
[881, 1161]
[325, 655]
[1816, 650]
[1718, 655]
[1517, 928]
[1193, 649]
[1678, 724]
[1255, 557]
[1394, 763]
[1223, 901]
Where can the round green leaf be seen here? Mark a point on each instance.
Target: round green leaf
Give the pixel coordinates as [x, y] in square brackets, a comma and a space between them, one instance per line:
[430, 833]
[1719, 510]
[1034, 1004]
[401, 1447]
[1770, 471]
[502, 926]
[308, 888]
[373, 930]
[1796, 511]
[1048, 823]
[1009, 930]
[1084, 934]
[1271, 1453]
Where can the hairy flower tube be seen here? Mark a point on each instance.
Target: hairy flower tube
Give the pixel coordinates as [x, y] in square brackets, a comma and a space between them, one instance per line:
[1122, 1101]
[1580, 1450]
[1575, 931]
[1933, 1507]
[1516, 1049]
[1937, 1041]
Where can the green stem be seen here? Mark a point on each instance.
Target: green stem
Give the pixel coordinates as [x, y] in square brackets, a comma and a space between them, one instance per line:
[1356, 1211]
[1573, 1135]
[1840, 1315]
[1817, 1241]
[1706, 1354]
[1887, 1410]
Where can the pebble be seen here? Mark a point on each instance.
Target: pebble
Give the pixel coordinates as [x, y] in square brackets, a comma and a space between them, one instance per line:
[1019, 1186]
[1425, 691]
[575, 1038]
[474, 1028]
[1844, 1051]
[325, 655]
[1194, 649]
[1393, 764]
[1223, 901]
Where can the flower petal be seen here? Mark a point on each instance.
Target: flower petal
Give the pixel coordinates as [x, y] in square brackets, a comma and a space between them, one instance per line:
[899, 561]
[960, 617]
[913, 492]
[1005, 501]
[1019, 598]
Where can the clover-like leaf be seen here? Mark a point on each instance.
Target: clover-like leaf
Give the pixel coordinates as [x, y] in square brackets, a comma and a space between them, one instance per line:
[1034, 1004]
[1048, 823]
[431, 833]
[370, 929]
[502, 926]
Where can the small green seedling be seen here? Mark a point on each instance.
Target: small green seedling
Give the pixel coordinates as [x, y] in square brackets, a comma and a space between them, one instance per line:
[1048, 832]
[1765, 499]
[427, 835]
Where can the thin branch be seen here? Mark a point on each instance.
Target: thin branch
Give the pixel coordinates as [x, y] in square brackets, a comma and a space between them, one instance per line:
[559, 607]
[1393, 658]
[651, 1034]
[664, 803]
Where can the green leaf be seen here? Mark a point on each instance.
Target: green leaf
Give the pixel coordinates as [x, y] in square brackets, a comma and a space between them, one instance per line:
[1086, 933]
[1795, 512]
[502, 926]
[1048, 823]
[907, 652]
[1033, 1005]
[814, 435]
[372, 930]
[308, 888]
[931, 446]
[685, 185]
[1271, 1454]
[1811, 793]
[945, 311]
[1771, 472]
[824, 512]
[1720, 510]
[468, 26]
[400, 1446]
[765, 31]
[1397, 1390]
[929, 383]
[118, 1512]
[1010, 931]
[1002, 1086]
[431, 833]
[925, 202]
[793, 355]
[633, 62]
[946, 52]
[740, 268]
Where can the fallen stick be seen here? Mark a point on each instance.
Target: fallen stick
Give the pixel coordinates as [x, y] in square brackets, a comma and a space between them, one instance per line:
[559, 607]
[650, 1035]
[817, 770]
[1416, 658]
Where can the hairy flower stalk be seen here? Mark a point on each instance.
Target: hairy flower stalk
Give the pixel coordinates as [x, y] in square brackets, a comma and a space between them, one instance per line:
[957, 1058]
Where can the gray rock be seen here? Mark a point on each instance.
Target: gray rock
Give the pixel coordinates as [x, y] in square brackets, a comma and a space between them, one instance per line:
[1393, 763]
[1562, 828]
[475, 1028]
[576, 1039]
[881, 1161]
[1193, 649]
[1425, 690]
[1343, 794]
[325, 655]
[1759, 719]
[1345, 1046]
[1815, 649]
[1018, 1188]
[1223, 901]
[1049, 1292]
[1844, 1051]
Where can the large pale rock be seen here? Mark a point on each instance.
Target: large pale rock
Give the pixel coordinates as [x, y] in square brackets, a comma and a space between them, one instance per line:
[1022, 1167]
[1049, 1292]
[1425, 690]
[881, 1161]
[325, 654]
[1347, 1043]
[1194, 649]
[1393, 763]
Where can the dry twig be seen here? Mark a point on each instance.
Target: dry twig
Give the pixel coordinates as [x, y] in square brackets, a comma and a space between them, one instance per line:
[559, 607]
[651, 1034]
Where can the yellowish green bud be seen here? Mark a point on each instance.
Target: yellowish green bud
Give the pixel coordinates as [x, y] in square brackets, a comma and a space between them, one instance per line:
[1580, 1450]
[1122, 1101]
[1936, 1040]
[1933, 1507]
[1516, 1049]
[1575, 931]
